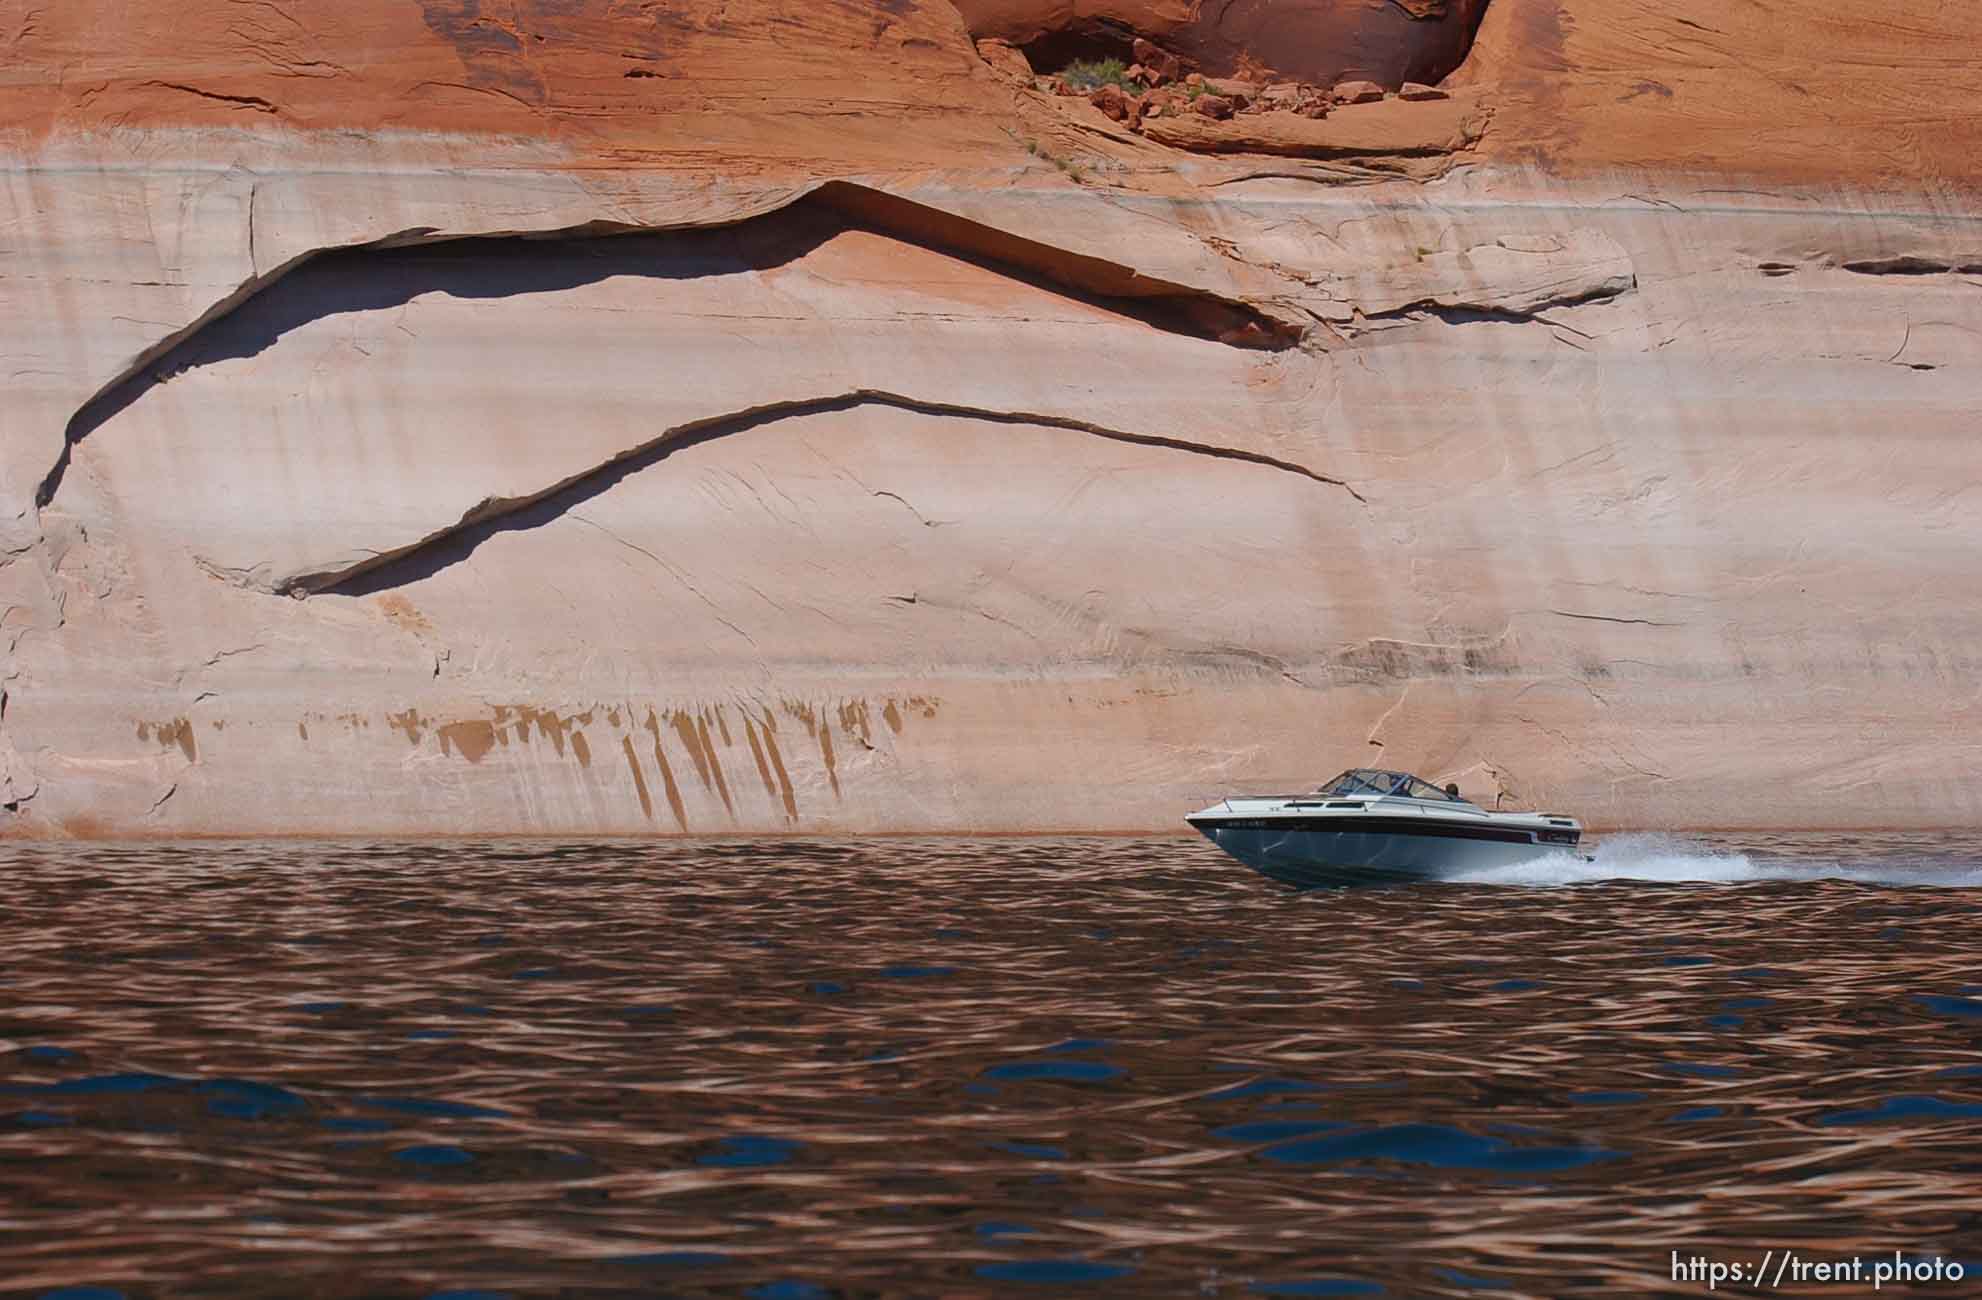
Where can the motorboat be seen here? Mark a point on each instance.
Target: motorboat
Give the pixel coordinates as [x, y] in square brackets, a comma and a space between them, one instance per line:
[1369, 826]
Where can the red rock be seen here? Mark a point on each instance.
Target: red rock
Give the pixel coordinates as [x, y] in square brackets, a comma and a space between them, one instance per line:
[1394, 131]
[1196, 79]
[1112, 101]
[1416, 91]
[1005, 60]
[1854, 61]
[1357, 92]
[1241, 94]
[582, 71]
[1161, 65]
[1213, 106]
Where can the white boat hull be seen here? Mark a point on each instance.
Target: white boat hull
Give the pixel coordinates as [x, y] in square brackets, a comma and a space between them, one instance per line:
[1372, 826]
[1312, 859]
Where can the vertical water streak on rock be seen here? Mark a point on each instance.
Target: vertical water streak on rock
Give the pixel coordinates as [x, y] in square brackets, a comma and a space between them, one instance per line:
[549, 726]
[668, 785]
[826, 752]
[757, 753]
[639, 781]
[854, 719]
[715, 762]
[785, 790]
[684, 726]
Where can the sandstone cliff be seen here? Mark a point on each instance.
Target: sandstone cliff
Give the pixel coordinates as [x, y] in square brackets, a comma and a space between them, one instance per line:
[584, 417]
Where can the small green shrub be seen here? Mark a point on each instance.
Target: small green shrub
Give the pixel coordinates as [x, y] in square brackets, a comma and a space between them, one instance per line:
[1093, 74]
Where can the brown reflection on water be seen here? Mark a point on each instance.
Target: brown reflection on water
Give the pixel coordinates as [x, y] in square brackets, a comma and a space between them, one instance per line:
[909, 1067]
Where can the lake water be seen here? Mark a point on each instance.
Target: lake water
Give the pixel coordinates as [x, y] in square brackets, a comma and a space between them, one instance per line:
[980, 1067]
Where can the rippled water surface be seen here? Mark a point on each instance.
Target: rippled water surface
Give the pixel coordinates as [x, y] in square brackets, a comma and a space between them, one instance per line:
[947, 1067]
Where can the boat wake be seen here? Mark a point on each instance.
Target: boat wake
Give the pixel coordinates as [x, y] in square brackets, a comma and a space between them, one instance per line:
[1674, 859]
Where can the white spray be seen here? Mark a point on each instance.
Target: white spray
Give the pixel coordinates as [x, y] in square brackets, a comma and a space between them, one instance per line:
[1674, 859]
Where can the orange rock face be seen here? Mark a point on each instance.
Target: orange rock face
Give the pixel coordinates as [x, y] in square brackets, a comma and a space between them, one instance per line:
[741, 86]
[1823, 92]
[1805, 89]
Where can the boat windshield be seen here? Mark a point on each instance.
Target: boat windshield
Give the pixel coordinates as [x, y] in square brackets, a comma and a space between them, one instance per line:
[1370, 781]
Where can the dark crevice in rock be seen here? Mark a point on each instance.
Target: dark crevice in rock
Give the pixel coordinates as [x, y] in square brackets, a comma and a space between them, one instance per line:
[452, 544]
[1083, 39]
[255, 102]
[215, 334]
[138, 376]
[1903, 265]
[1455, 313]
[491, 265]
[1606, 618]
[1164, 304]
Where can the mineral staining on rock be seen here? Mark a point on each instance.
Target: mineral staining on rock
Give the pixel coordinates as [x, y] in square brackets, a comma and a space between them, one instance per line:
[770, 417]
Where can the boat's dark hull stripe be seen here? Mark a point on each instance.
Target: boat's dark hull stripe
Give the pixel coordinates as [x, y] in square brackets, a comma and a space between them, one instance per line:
[1421, 826]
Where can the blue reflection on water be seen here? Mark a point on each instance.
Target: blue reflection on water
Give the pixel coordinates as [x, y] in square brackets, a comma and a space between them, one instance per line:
[1438, 1145]
[1054, 1271]
[749, 1151]
[1067, 1071]
[1911, 1106]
